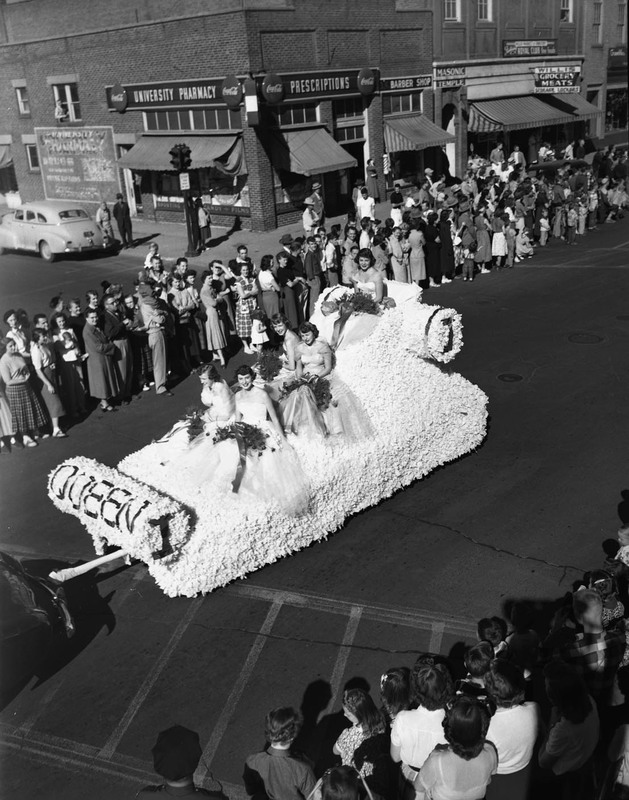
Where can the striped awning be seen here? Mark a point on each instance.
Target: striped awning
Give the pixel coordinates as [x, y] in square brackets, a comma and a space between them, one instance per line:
[582, 109]
[413, 132]
[513, 114]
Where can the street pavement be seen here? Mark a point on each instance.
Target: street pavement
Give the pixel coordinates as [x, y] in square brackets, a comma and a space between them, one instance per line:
[520, 518]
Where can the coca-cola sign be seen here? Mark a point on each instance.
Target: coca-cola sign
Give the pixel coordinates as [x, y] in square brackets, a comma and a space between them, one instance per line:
[118, 97]
[232, 91]
[272, 88]
[366, 81]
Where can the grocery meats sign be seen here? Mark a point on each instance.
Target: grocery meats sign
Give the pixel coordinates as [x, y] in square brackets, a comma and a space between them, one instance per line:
[553, 80]
[78, 163]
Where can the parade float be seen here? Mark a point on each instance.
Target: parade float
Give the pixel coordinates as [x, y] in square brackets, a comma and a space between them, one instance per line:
[420, 413]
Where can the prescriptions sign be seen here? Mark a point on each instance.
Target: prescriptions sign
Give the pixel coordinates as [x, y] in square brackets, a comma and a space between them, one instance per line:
[78, 163]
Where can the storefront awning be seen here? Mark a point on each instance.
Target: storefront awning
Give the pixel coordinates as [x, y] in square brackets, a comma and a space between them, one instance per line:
[413, 132]
[513, 114]
[308, 151]
[5, 156]
[152, 152]
[582, 109]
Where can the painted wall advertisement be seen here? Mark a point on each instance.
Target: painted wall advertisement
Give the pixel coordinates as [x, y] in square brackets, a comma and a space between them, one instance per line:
[78, 163]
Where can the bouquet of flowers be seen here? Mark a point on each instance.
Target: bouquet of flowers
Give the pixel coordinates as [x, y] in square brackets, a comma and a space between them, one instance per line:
[251, 439]
[195, 422]
[320, 388]
[268, 365]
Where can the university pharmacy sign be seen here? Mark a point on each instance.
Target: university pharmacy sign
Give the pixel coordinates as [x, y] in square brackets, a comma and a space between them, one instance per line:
[78, 163]
[168, 94]
[553, 80]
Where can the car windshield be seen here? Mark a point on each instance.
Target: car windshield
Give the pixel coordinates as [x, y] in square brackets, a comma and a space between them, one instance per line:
[73, 213]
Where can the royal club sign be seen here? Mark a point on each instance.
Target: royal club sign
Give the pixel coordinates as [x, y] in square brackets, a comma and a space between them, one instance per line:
[556, 79]
[521, 48]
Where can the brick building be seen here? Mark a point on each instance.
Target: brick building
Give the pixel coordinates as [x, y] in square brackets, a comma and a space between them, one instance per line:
[510, 57]
[96, 95]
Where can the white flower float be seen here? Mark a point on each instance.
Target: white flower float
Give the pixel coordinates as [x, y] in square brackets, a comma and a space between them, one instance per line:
[196, 539]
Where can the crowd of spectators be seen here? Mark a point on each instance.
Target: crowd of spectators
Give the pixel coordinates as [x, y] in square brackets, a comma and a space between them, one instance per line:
[537, 708]
[119, 342]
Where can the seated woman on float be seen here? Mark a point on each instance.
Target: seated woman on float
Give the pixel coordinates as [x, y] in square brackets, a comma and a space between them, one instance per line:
[237, 446]
[317, 402]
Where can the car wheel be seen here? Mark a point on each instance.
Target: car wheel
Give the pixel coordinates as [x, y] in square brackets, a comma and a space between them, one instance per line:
[45, 252]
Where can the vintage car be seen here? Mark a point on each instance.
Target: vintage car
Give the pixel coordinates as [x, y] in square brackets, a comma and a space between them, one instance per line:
[51, 228]
[33, 616]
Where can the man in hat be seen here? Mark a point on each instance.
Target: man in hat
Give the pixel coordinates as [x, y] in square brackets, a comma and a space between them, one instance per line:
[309, 218]
[176, 755]
[317, 202]
[122, 215]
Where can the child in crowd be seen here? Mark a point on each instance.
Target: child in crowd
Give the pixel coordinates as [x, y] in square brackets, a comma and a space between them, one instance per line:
[523, 642]
[582, 212]
[523, 246]
[571, 224]
[468, 261]
[544, 228]
[494, 630]
[259, 335]
[510, 235]
[477, 661]
[395, 692]
[278, 772]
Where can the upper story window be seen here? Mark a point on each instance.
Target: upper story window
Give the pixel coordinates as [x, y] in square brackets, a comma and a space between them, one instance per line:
[597, 26]
[22, 101]
[67, 106]
[33, 158]
[198, 119]
[621, 22]
[452, 10]
[297, 114]
[348, 108]
[485, 10]
[401, 103]
[566, 13]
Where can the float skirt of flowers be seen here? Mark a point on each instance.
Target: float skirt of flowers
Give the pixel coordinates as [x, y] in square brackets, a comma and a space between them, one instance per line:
[423, 414]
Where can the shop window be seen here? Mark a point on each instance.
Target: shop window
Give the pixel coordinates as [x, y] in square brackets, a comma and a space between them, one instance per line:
[452, 10]
[401, 103]
[216, 189]
[67, 106]
[566, 13]
[216, 119]
[485, 10]
[199, 119]
[597, 23]
[297, 114]
[23, 104]
[33, 157]
[622, 21]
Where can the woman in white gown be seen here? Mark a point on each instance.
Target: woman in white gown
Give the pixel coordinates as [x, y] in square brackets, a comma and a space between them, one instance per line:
[240, 450]
[343, 415]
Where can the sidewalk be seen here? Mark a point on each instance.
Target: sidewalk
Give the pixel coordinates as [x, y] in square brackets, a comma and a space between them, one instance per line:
[173, 241]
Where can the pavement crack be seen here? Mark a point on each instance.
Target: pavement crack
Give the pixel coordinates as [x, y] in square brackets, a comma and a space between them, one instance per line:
[493, 547]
